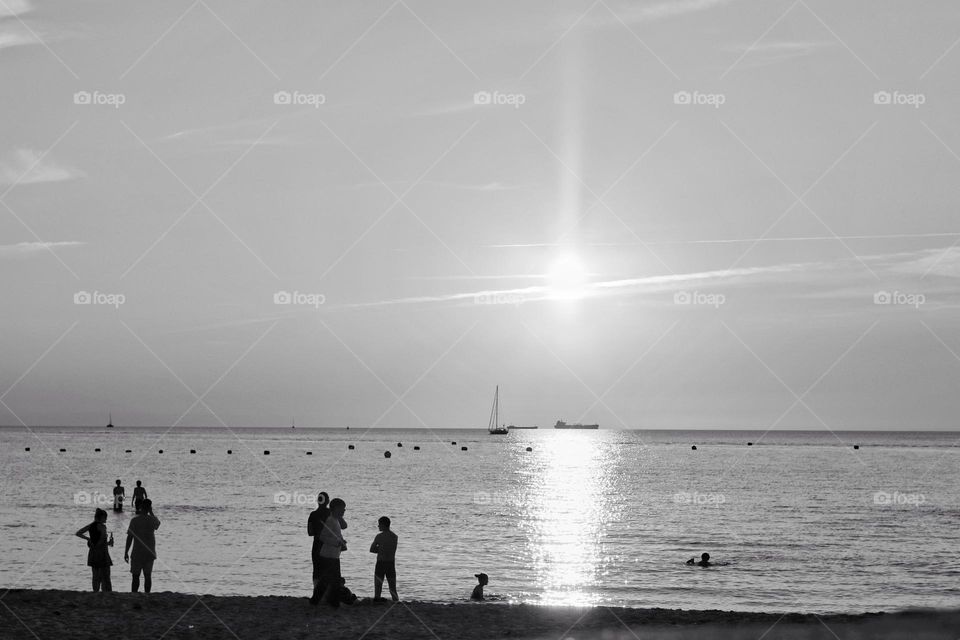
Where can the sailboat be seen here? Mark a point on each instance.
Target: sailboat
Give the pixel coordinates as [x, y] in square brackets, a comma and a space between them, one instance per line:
[110, 421]
[494, 426]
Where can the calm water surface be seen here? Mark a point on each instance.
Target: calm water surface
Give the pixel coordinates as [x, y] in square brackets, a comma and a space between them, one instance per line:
[805, 522]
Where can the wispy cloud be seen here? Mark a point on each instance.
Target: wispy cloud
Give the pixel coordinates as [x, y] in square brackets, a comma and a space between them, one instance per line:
[13, 33]
[767, 53]
[28, 166]
[27, 248]
[633, 14]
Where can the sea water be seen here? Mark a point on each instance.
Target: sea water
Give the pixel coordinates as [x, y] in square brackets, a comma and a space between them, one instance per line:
[799, 521]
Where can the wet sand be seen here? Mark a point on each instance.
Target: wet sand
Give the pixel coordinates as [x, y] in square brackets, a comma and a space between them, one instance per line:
[44, 614]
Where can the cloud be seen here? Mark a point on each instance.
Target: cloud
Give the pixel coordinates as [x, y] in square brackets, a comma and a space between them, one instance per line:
[665, 10]
[31, 167]
[27, 248]
[13, 33]
[767, 53]
[13, 8]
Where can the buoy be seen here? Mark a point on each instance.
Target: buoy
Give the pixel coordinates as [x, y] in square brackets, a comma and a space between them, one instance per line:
[229, 452]
[127, 451]
[161, 451]
[193, 450]
[454, 442]
[266, 452]
[416, 448]
[529, 448]
[97, 450]
[749, 444]
[26, 448]
[351, 447]
[463, 448]
[856, 446]
[309, 453]
[386, 454]
[694, 447]
[62, 450]
[399, 444]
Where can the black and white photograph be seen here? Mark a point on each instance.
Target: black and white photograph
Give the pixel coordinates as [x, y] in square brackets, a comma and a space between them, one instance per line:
[480, 319]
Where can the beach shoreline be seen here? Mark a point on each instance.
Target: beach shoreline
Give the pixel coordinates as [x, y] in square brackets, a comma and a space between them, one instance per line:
[27, 613]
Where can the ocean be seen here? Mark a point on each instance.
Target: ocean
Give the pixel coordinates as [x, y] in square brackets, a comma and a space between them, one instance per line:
[800, 521]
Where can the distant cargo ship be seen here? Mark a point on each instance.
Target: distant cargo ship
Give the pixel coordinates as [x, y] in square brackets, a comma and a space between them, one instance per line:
[563, 425]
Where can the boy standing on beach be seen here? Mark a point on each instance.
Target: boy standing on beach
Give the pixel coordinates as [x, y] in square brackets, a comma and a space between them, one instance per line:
[385, 546]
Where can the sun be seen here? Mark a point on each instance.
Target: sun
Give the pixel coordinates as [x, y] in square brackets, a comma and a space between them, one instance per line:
[567, 278]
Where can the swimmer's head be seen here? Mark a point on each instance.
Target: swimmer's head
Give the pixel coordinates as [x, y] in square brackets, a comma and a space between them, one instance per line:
[118, 483]
[705, 557]
[138, 483]
[482, 578]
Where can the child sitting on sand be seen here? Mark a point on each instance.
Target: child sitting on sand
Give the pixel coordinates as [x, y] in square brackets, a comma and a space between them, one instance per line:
[483, 580]
[704, 561]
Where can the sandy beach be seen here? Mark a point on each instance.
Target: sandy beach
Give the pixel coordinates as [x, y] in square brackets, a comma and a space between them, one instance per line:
[70, 614]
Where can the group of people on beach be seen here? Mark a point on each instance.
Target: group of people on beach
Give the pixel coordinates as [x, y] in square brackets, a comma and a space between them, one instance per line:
[140, 549]
[325, 525]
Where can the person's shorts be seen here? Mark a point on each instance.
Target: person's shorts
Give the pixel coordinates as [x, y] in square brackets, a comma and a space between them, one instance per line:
[386, 569]
[141, 564]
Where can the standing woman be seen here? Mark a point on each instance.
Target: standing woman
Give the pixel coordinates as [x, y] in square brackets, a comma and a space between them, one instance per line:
[98, 557]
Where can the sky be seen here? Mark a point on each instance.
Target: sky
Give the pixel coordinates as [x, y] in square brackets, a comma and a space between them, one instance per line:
[661, 214]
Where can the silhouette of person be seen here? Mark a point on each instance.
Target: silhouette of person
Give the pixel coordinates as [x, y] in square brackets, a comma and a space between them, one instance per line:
[139, 495]
[385, 546]
[482, 581]
[98, 556]
[140, 535]
[314, 526]
[704, 561]
[118, 495]
[328, 581]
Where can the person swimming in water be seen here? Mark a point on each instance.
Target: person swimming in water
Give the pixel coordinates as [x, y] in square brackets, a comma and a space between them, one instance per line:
[482, 580]
[704, 561]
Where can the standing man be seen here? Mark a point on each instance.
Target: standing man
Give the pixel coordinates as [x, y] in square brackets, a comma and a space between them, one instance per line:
[385, 546]
[314, 528]
[332, 541]
[140, 535]
[118, 495]
[139, 495]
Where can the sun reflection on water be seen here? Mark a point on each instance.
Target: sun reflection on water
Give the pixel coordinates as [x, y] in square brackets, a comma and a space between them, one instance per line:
[566, 511]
